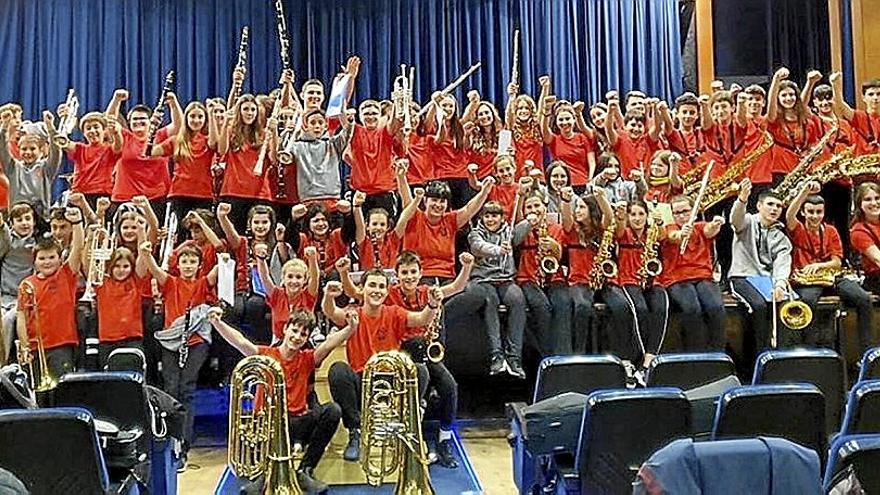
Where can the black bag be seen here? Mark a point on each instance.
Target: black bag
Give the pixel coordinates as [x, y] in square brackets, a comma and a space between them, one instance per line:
[166, 413]
[554, 424]
[119, 446]
[417, 348]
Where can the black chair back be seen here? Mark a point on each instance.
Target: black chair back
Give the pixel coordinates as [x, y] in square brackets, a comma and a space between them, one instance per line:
[620, 431]
[127, 359]
[854, 457]
[689, 370]
[53, 451]
[862, 409]
[580, 374]
[823, 368]
[870, 369]
[795, 412]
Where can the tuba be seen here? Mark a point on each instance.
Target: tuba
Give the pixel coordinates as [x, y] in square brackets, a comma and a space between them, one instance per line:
[604, 266]
[391, 425]
[68, 123]
[100, 251]
[47, 381]
[258, 440]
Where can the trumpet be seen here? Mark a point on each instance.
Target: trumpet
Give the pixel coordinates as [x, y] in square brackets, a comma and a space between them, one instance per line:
[402, 96]
[100, 251]
[47, 381]
[67, 124]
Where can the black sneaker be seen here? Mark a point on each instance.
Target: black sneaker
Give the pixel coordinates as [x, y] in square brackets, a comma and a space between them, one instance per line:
[445, 457]
[353, 449]
[514, 367]
[496, 365]
[309, 483]
[181, 462]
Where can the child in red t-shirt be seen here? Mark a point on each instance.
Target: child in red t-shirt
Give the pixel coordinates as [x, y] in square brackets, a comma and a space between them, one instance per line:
[685, 138]
[118, 303]
[448, 146]
[638, 141]
[791, 123]
[203, 228]
[381, 328]
[313, 426]
[521, 118]
[482, 126]
[297, 289]
[311, 226]
[47, 304]
[663, 178]
[377, 244]
[94, 160]
[370, 156]
[865, 123]
[505, 189]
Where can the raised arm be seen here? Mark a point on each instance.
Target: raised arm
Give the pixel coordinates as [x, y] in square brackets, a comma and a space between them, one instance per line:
[311, 255]
[336, 339]
[360, 228]
[706, 121]
[841, 107]
[565, 212]
[343, 266]
[332, 290]
[408, 212]
[149, 215]
[813, 78]
[464, 215]
[261, 253]
[145, 251]
[773, 94]
[229, 231]
[119, 96]
[400, 167]
[510, 109]
[470, 111]
[741, 117]
[460, 282]
[426, 316]
[610, 127]
[74, 259]
[234, 337]
[738, 211]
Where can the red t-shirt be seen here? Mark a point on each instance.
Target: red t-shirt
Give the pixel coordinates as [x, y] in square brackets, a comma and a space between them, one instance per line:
[449, 163]
[528, 260]
[370, 160]
[863, 235]
[528, 147]
[421, 161]
[791, 141]
[396, 297]
[93, 168]
[695, 264]
[209, 257]
[434, 243]
[383, 332]
[239, 180]
[297, 371]
[180, 294]
[485, 162]
[689, 145]
[814, 247]
[581, 258]
[118, 303]
[56, 303]
[329, 250]
[629, 258]
[4, 192]
[573, 151]
[867, 130]
[662, 193]
[283, 304]
[389, 248]
[506, 195]
[192, 176]
[634, 153]
[728, 144]
[136, 175]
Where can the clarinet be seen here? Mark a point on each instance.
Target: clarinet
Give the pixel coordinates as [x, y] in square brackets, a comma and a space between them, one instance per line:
[154, 127]
[216, 170]
[242, 58]
[183, 352]
[284, 48]
[377, 260]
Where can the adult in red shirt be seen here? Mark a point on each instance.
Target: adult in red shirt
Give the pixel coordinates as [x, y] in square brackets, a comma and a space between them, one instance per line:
[47, 303]
[192, 151]
[687, 277]
[521, 117]
[817, 247]
[138, 173]
[94, 160]
[310, 226]
[482, 127]
[583, 233]
[431, 233]
[313, 426]
[566, 143]
[791, 123]
[370, 154]
[865, 123]
[547, 296]
[381, 328]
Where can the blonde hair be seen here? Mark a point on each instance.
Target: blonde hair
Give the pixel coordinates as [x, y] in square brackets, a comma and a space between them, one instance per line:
[295, 264]
[183, 140]
[92, 117]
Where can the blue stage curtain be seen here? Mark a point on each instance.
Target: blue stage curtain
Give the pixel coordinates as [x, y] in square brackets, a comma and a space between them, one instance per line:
[95, 46]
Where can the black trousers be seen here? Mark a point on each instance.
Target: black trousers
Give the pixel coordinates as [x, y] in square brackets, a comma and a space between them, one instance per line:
[387, 201]
[853, 295]
[760, 313]
[180, 383]
[315, 429]
[447, 390]
[701, 310]
[105, 348]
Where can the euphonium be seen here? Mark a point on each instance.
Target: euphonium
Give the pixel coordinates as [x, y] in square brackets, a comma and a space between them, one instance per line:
[789, 186]
[604, 266]
[47, 381]
[258, 439]
[548, 264]
[100, 251]
[824, 277]
[651, 264]
[391, 425]
[68, 123]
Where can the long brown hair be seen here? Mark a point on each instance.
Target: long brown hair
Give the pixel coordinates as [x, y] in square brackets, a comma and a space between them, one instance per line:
[183, 140]
[589, 229]
[800, 106]
[486, 139]
[861, 191]
[242, 133]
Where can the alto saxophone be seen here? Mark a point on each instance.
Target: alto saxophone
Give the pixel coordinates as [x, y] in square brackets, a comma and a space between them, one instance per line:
[651, 264]
[548, 264]
[726, 184]
[788, 188]
[604, 266]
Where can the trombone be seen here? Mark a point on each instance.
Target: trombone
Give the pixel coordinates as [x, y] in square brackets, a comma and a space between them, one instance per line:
[47, 381]
[67, 124]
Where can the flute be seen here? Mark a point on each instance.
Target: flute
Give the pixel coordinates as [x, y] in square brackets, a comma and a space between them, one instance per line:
[696, 208]
[454, 84]
[514, 70]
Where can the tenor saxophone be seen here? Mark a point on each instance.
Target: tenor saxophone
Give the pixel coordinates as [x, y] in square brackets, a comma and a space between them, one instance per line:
[788, 188]
[604, 266]
[726, 184]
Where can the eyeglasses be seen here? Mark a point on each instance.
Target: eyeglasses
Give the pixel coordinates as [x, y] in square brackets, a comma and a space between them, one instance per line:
[681, 212]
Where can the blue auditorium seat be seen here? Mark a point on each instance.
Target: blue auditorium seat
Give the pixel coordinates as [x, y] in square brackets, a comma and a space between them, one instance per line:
[862, 409]
[794, 411]
[854, 456]
[619, 431]
[55, 451]
[689, 370]
[824, 368]
[581, 374]
[870, 365]
[772, 466]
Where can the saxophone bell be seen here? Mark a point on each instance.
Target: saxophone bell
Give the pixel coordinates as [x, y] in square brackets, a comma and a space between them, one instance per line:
[549, 265]
[435, 352]
[653, 267]
[608, 268]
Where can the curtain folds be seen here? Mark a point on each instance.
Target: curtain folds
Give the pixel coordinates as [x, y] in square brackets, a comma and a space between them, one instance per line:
[95, 46]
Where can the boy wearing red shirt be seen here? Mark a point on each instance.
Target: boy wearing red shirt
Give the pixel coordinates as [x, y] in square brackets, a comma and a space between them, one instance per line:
[314, 426]
[686, 139]
[817, 246]
[381, 328]
[865, 123]
[47, 303]
[634, 146]
[94, 160]
[688, 278]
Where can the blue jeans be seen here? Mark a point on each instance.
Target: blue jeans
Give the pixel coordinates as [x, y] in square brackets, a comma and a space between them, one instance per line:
[550, 314]
[511, 296]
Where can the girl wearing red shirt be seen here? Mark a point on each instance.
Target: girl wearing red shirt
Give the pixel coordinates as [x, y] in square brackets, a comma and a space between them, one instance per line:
[791, 122]
[93, 161]
[118, 304]
[241, 143]
[547, 295]
[635, 145]
[482, 125]
[663, 179]
[375, 232]
[310, 226]
[865, 232]
[298, 289]
[566, 144]
[583, 232]
[688, 278]
[521, 117]
[448, 147]
[192, 151]
[639, 308]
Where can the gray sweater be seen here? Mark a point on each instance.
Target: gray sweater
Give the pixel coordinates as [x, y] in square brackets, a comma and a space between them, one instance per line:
[317, 164]
[758, 250]
[31, 183]
[490, 264]
[16, 262]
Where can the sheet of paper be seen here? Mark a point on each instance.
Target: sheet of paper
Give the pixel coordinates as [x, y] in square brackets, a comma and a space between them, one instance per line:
[226, 278]
[505, 139]
[337, 96]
